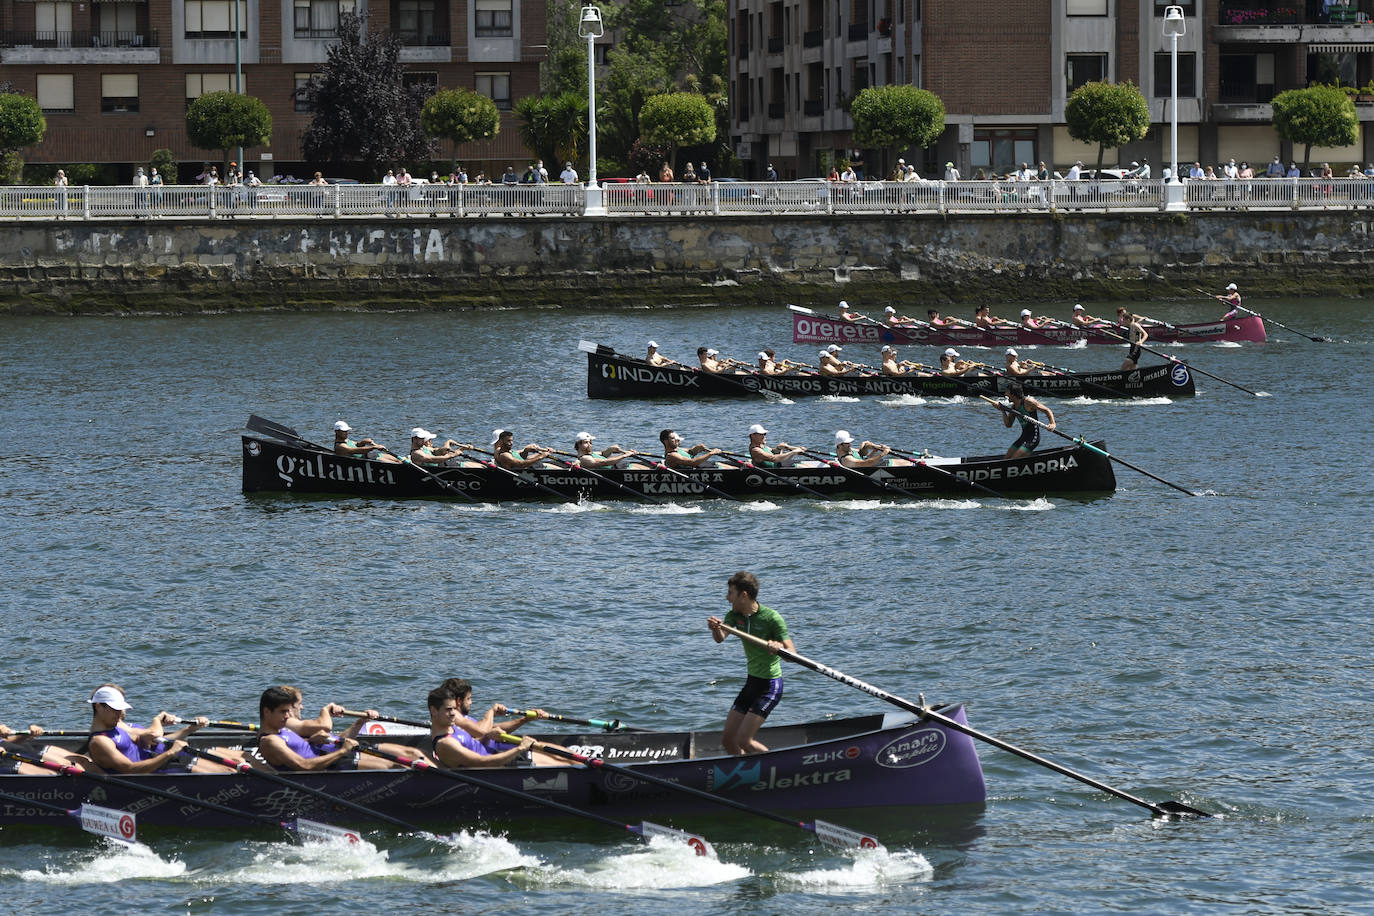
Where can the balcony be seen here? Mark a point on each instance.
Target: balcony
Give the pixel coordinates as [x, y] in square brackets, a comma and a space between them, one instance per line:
[775, 45]
[813, 39]
[415, 38]
[1293, 20]
[858, 31]
[775, 109]
[65, 40]
[1246, 112]
[813, 108]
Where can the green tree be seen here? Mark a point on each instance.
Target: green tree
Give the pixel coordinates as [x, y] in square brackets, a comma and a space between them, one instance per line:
[460, 115]
[363, 111]
[1108, 114]
[166, 164]
[1316, 116]
[896, 118]
[223, 120]
[21, 124]
[677, 119]
[564, 69]
[555, 127]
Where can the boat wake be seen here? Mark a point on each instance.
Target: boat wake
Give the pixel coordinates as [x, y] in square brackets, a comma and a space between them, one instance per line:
[1119, 402]
[306, 863]
[1080, 344]
[109, 862]
[761, 505]
[869, 869]
[1226, 344]
[865, 504]
[1039, 504]
[477, 854]
[838, 399]
[903, 400]
[666, 509]
[663, 863]
[576, 508]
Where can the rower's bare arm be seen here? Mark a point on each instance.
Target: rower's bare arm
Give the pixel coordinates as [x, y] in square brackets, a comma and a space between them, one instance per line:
[717, 633]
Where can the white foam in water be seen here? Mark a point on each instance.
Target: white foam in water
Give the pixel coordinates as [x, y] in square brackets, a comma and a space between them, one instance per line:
[668, 509]
[1228, 344]
[1039, 504]
[663, 863]
[1080, 344]
[903, 400]
[477, 854]
[869, 869]
[761, 505]
[111, 861]
[309, 863]
[838, 399]
[576, 508]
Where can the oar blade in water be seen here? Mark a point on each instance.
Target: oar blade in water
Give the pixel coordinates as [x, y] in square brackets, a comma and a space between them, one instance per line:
[110, 823]
[844, 838]
[1181, 810]
[700, 845]
[316, 832]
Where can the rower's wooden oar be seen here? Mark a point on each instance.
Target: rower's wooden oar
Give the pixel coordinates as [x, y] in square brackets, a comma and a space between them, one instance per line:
[1241, 308]
[950, 474]
[245, 768]
[644, 830]
[832, 461]
[744, 461]
[516, 475]
[414, 723]
[457, 491]
[602, 477]
[830, 834]
[1079, 440]
[611, 725]
[660, 464]
[111, 823]
[258, 424]
[1162, 809]
[1174, 359]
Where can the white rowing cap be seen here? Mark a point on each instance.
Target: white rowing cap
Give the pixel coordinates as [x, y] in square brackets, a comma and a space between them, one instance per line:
[342, 427]
[757, 430]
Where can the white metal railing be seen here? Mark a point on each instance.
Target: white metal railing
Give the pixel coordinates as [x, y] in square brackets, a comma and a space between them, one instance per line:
[721, 198]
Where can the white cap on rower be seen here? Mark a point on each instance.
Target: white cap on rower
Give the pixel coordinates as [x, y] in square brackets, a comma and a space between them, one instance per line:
[711, 351]
[584, 437]
[844, 306]
[824, 353]
[887, 349]
[420, 432]
[1011, 351]
[762, 355]
[1025, 313]
[653, 345]
[757, 430]
[341, 426]
[842, 436]
[111, 697]
[834, 348]
[1078, 308]
[951, 352]
[890, 310]
[496, 435]
[1231, 286]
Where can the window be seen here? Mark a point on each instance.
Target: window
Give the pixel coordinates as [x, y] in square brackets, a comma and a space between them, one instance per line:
[858, 75]
[1085, 68]
[601, 49]
[1187, 74]
[420, 23]
[1189, 8]
[53, 24]
[1086, 7]
[495, 86]
[117, 24]
[214, 19]
[302, 97]
[1002, 151]
[426, 79]
[119, 92]
[319, 18]
[1246, 77]
[55, 92]
[197, 84]
[494, 19]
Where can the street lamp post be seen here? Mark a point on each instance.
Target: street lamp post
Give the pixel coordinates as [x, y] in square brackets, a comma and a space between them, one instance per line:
[1173, 30]
[589, 26]
[238, 69]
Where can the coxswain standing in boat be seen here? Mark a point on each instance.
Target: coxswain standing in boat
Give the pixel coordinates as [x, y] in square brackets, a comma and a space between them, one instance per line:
[763, 688]
[1232, 298]
[362, 448]
[675, 456]
[1025, 408]
[657, 359]
[486, 731]
[285, 749]
[868, 454]
[610, 456]
[502, 447]
[1082, 319]
[422, 452]
[119, 748]
[764, 455]
[983, 318]
[1135, 337]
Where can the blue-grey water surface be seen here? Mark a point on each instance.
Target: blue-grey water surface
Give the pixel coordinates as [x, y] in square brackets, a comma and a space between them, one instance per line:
[1212, 650]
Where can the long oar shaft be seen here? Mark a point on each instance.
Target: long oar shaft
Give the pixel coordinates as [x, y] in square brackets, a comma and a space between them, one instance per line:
[603, 478]
[927, 712]
[1284, 326]
[458, 491]
[611, 725]
[939, 470]
[851, 472]
[747, 462]
[1191, 367]
[661, 464]
[1088, 445]
[248, 769]
[416, 723]
[493, 463]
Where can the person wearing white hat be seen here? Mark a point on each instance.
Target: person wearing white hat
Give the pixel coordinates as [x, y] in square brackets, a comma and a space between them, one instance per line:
[851, 314]
[897, 321]
[610, 456]
[951, 364]
[769, 364]
[830, 363]
[766, 456]
[1014, 366]
[1082, 319]
[867, 455]
[706, 356]
[423, 453]
[504, 454]
[1028, 320]
[655, 358]
[1232, 298]
[894, 367]
[362, 448]
[983, 318]
[675, 456]
[117, 747]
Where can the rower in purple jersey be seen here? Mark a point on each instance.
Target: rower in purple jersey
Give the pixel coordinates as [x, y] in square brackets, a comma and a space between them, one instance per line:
[286, 749]
[120, 747]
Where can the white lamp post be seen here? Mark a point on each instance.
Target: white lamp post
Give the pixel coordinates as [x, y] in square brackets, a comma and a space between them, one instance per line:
[589, 26]
[1173, 30]
[238, 69]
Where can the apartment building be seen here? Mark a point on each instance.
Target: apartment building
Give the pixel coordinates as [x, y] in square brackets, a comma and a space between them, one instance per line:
[114, 77]
[1005, 68]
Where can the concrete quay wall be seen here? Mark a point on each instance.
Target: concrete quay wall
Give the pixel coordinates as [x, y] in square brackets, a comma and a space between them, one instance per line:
[165, 265]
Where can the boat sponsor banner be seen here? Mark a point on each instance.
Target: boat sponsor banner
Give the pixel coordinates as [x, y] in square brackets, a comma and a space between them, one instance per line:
[912, 749]
[1179, 375]
[819, 329]
[107, 822]
[1020, 469]
[649, 375]
[392, 728]
[293, 469]
[756, 779]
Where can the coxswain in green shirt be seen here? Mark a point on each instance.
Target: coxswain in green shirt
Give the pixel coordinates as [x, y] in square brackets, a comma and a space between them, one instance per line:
[763, 688]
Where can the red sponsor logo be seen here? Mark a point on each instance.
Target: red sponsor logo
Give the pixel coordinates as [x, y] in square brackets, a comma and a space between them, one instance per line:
[126, 827]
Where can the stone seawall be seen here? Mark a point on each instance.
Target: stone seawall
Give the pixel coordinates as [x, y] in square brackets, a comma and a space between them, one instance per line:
[160, 266]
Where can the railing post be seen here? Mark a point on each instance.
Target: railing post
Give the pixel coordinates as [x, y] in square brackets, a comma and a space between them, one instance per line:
[942, 196]
[715, 199]
[85, 201]
[829, 199]
[462, 189]
[1053, 192]
[211, 189]
[338, 204]
[1296, 199]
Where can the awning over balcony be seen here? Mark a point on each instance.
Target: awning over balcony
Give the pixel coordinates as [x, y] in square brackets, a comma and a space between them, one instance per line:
[1338, 49]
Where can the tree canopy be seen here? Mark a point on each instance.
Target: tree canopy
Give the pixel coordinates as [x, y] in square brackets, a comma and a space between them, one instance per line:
[1108, 114]
[1316, 116]
[897, 117]
[555, 127]
[223, 120]
[460, 115]
[677, 119]
[21, 122]
[363, 111]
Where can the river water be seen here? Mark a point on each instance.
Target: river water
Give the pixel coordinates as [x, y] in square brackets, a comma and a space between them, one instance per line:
[1212, 650]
